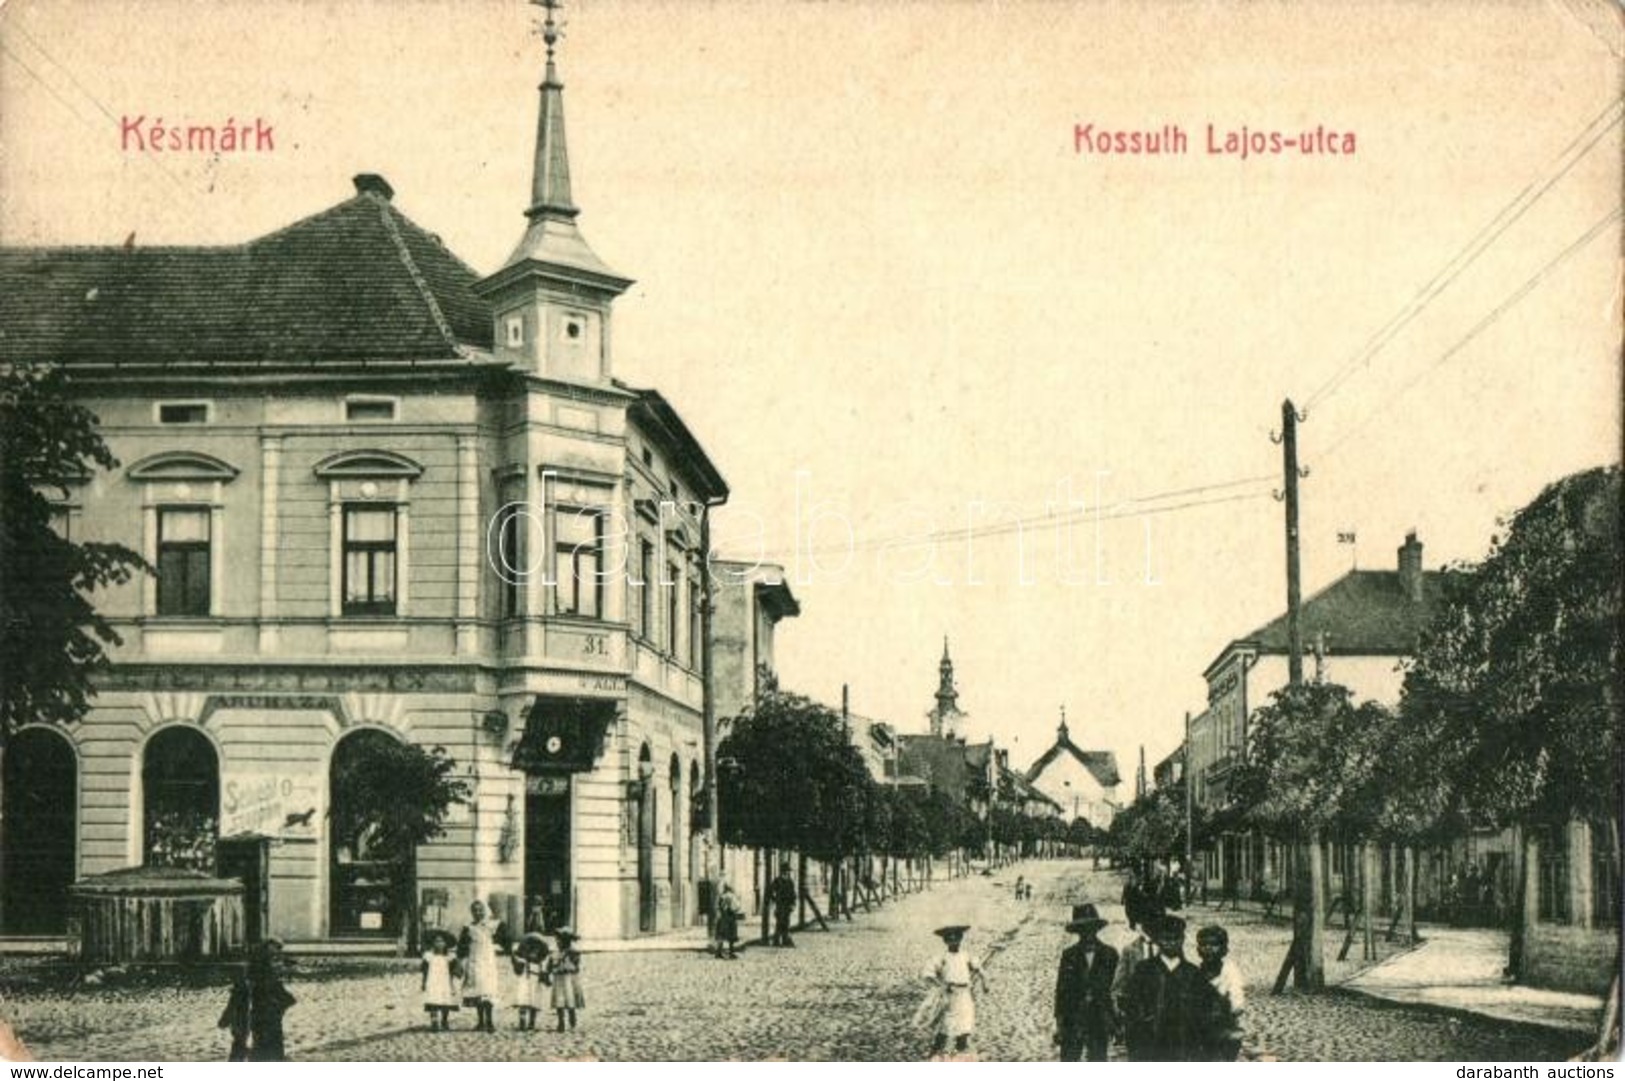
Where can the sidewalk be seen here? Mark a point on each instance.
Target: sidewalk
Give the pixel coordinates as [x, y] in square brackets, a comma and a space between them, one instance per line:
[1460, 969]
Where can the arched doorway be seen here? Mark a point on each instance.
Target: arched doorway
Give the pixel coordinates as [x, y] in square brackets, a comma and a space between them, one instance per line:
[646, 840]
[41, 815]
[180, 799]
[369, 884]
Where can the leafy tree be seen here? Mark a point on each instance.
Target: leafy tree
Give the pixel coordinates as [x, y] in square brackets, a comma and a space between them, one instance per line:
[794, 780]
[1518, 677]
[397, 795]
[51, 637]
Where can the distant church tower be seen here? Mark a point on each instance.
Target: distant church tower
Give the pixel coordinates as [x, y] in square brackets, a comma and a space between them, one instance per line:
[946, 717]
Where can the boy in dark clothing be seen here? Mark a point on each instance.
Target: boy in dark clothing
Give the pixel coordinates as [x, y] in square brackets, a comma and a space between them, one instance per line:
[254, 1011]
[1171, 1011]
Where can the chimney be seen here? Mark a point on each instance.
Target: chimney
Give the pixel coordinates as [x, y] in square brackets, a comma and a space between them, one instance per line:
[1410, 566]
[373, 184]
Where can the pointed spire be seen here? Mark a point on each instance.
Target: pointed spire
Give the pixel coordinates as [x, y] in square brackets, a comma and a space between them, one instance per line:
[552, 237]
[550, 182]
[1062, 732]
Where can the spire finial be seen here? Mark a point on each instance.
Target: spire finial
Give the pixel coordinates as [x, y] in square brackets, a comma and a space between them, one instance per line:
[550, 34]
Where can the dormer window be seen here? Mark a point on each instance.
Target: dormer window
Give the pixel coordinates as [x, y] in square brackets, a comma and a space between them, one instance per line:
[183, 412]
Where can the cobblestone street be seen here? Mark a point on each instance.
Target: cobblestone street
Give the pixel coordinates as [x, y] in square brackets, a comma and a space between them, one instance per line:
[844, 995]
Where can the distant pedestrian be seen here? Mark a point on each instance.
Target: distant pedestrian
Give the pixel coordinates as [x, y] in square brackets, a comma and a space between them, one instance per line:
[439, 996]
[1170, 1010]
[564, 969]
[530, 974]
[728, 913]
[255, 1009]
[1134, 907]
[1213, 948]
[781, 894]
[1085, 1013]
[477, 949]
[950, 1008]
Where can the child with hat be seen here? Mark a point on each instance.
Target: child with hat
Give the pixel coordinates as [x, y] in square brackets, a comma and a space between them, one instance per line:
[564, 969]
[530, 970]
[439, 996]
[951, 1008]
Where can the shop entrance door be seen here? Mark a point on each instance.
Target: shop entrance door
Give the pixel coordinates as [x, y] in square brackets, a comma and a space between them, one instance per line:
[547, 846]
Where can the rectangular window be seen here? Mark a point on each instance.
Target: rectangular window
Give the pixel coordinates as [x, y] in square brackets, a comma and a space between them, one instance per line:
[510, 559]
[183, 561]
[1605, 900]
[183, 412]
[645, 597]
[1552, 895]
[578, 554]
[369, 560]
[696, 623]
[673, 585]
[369, 409]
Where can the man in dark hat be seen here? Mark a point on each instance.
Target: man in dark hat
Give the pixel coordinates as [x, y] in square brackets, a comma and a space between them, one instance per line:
[782, 896]
[1171, 1012]
[1084, 1013]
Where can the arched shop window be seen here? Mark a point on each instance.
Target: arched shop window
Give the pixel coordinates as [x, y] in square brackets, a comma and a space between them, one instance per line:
[37, 864]
[370, 882]
[180, 786]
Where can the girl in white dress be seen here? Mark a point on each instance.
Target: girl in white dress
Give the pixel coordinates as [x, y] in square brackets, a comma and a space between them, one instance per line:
[529, 969]
[951, 1007]
[477, 949]
[564, 969]
[439, 996]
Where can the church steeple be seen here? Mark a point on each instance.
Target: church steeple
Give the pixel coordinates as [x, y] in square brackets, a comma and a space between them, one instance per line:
[943, 718]
[553, 294]
[1061, 734]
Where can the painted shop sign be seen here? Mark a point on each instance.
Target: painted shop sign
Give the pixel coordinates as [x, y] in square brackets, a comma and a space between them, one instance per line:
[271, 802]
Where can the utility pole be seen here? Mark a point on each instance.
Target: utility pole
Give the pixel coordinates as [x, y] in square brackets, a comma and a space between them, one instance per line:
[1294, 627]
[1306, 955]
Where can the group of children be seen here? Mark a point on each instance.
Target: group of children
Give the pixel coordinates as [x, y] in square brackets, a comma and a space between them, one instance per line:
[463, 971]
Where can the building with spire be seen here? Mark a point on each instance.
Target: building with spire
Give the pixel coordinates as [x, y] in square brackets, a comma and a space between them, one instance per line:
[947, 719]
[389, 500]
[1083, 783]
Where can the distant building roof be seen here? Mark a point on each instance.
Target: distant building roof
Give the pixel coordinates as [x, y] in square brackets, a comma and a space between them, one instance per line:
[356, 283]
[1101, 764]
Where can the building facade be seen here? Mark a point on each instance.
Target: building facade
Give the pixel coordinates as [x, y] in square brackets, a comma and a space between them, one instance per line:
[387, 499]
[1358, 631]
[1082, 783]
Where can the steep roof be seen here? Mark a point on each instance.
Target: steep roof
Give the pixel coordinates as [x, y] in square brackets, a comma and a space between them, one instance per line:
[1363, 612]
[1101, 764]
[356, 283]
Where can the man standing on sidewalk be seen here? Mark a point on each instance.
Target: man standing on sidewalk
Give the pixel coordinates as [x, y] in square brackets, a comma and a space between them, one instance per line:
[781, 894]
[1084, 1012]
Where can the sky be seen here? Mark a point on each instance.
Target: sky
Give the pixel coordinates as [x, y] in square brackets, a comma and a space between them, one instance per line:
[890, 296]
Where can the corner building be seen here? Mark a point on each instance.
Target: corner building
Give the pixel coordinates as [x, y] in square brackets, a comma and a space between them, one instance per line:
[332, 438]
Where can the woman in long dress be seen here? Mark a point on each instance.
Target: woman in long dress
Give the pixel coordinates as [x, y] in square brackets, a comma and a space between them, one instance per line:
[477, 949]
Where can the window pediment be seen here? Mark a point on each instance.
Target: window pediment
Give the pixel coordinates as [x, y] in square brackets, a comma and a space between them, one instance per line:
[367, 463]
[182, 465]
